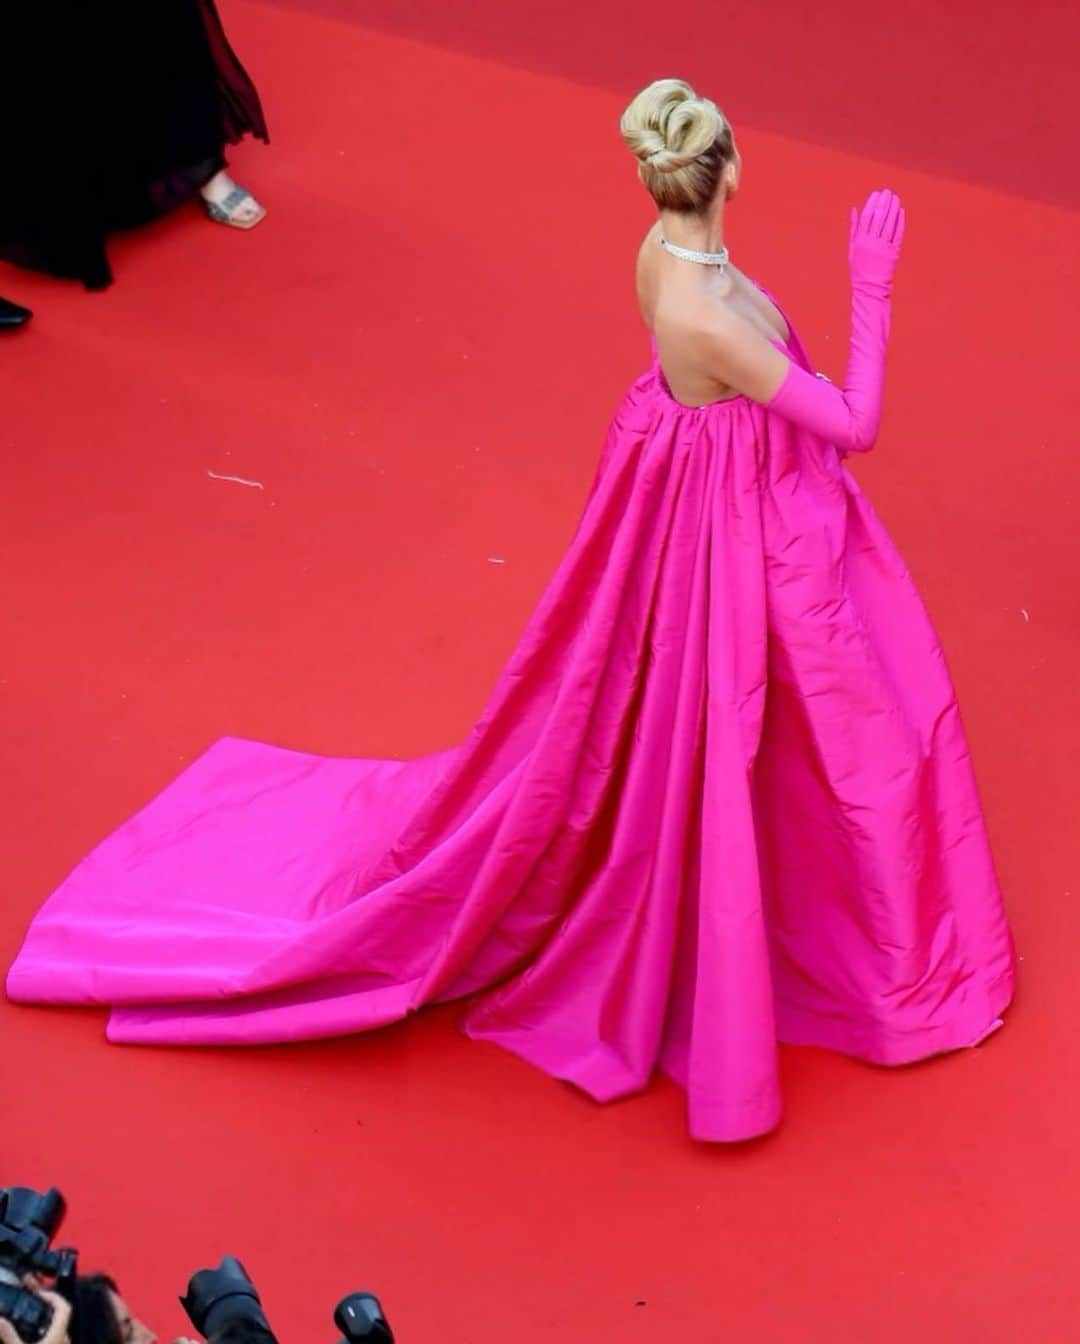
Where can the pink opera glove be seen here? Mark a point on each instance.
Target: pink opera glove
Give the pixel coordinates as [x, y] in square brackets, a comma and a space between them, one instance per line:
[850, 417]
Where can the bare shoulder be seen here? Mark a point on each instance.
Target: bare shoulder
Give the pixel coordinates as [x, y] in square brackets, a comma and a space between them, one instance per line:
[700, 319]
[724, 327]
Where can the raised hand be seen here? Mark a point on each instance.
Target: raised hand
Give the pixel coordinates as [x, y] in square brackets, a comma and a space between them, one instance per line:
[877, 232]
[849, 417]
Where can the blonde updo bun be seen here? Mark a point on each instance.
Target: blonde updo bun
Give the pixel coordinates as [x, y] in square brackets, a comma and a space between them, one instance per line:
[682, 143]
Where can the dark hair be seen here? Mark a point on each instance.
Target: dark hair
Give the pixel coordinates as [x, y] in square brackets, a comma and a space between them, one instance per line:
[93, 1316]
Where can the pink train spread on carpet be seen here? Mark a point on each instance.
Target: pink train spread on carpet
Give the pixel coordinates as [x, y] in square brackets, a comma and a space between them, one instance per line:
[721, 796]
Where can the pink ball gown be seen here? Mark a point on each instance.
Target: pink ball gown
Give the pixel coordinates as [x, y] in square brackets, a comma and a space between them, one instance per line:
[720, 797]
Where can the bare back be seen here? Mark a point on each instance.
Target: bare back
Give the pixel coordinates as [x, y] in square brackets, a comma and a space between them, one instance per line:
[681, 304]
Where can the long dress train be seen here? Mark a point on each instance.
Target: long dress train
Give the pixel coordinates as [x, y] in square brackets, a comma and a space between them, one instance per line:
[721, 796]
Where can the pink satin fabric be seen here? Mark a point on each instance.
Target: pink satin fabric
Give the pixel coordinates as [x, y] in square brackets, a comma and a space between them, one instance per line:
[720, 796]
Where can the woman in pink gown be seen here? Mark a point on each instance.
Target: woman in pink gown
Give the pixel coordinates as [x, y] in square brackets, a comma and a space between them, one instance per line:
[721, 794]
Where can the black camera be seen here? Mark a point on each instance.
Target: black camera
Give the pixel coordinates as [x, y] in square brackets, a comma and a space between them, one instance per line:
[223, 1304]
[28, 1222]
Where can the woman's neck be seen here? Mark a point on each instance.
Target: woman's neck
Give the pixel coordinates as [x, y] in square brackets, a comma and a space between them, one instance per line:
[699, 233]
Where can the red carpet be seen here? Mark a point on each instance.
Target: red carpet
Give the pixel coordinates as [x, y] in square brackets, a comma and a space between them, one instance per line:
[448, 255]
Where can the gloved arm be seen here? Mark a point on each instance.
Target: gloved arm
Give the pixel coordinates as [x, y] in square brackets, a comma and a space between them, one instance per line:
[849, 417]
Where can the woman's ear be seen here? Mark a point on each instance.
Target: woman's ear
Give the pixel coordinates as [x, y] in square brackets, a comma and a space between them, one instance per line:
[732, 174]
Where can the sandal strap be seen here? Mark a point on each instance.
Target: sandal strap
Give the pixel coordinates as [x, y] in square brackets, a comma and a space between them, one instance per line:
[224, 210]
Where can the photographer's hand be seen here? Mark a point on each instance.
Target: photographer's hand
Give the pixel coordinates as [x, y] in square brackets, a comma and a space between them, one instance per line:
[57, 1332]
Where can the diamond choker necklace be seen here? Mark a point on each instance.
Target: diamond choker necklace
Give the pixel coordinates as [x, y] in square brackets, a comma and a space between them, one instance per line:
[717, 259]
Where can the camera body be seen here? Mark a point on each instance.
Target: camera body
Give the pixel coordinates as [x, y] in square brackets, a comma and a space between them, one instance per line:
[29, 1220]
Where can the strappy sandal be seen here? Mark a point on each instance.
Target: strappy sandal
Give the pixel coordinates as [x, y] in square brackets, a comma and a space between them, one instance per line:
[227, 210]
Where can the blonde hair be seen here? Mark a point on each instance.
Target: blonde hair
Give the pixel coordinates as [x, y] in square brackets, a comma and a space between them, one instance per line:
[682, 142]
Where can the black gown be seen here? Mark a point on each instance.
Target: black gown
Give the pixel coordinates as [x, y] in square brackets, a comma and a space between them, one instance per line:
[112, 112]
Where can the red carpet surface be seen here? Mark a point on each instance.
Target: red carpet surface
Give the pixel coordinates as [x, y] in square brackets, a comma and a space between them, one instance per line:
[448, 259]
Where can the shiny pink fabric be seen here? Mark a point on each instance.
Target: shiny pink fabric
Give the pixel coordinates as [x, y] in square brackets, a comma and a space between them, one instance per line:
[720, 796]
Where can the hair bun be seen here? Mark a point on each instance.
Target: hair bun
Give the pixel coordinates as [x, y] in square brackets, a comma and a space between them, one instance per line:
[683, 145]
[668, 126]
